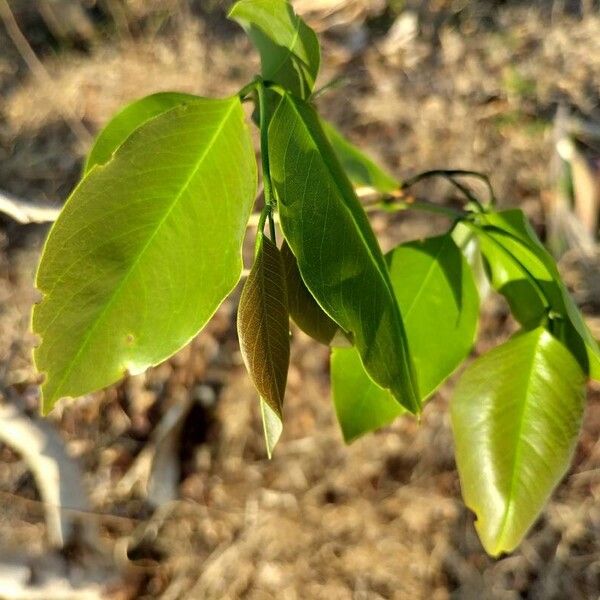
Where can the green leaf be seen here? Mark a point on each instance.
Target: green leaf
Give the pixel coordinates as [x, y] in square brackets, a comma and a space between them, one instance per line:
[360, 404]
[263, 330]
[127, 120]
[145, 249]
[304, 309]
[508, 236]
[361, 170]
[440, 305]
[337, 252]
[289, 49]
[526, 302]
[438, 299]
[469, 245]
[516, 414]
[272, 426]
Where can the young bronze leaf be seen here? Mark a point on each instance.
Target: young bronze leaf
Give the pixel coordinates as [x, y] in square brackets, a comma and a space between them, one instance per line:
[145, 249]
[337, 252]
[516, 414]
[288, 47]
[263, 330]
[303, 308]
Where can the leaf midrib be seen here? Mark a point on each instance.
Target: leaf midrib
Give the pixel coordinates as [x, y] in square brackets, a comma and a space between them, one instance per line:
[518, 450]
[127, 275]
[347, 209]
[433, 265]
[383, 274]
[265, 314]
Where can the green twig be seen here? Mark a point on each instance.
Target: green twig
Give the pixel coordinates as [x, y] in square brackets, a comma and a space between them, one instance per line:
[264, 151]
[334, 83]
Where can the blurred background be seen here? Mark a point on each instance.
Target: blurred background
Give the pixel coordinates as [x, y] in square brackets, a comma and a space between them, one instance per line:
[159, 487]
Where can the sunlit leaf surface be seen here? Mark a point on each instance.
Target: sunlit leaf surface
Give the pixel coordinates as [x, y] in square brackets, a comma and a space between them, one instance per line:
[289, 49]
[438, 298]
[516, 414]
[145, 249]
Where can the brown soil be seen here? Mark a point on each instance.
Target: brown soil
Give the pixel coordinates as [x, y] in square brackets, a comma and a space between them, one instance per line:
[382, 518]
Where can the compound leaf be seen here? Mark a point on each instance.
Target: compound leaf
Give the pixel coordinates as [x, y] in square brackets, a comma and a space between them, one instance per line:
[338, 255]
[263, 330]
[146, 248]
[289, 49]
[361, 170]
[516, 414]
[303, 308]
[438, 299]
[127, 120]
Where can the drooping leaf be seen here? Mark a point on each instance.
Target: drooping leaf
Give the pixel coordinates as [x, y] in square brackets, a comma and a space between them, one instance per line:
[263, 330]
[303, 308]
[438, 299]
[127, 120]
[337, 252]
[516, 414]
[360, 404]
[145, 249]
[508, 236]
[361, 170]
[289, 49]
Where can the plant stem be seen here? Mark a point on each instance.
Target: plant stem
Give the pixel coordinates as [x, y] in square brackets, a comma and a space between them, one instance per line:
[450, 174]
[264, 152]
[393, 205]
[250, 87]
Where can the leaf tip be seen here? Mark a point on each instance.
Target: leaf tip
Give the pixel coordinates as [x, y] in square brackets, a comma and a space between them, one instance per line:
[47, 401]
[272, 427]
[349, 437]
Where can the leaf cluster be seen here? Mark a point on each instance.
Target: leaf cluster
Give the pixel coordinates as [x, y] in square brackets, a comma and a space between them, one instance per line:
[149, 244]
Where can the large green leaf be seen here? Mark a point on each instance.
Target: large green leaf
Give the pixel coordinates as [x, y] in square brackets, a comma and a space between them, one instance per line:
[289, 49]
[439, 302]
[516, 414]
[438, 299]
[126, 121]
[263, 329]
[514, 254]
[145, 249]
[303, 308]
[360, 404]
[361, 170]
[337, 252]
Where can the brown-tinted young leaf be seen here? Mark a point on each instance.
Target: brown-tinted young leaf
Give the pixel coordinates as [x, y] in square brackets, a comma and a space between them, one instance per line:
[263, 330]
[304, 309]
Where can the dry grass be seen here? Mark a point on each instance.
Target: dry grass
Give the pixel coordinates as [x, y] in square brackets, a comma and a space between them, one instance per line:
[382, 518]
